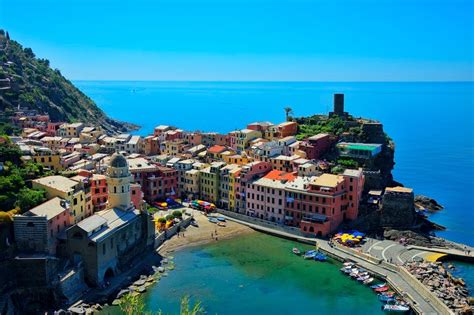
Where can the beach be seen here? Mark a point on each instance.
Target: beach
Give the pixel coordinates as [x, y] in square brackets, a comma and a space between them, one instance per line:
[203, 234]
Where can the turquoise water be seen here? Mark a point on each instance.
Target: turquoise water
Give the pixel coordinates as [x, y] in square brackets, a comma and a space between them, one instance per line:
[431, 124]
[258, 274]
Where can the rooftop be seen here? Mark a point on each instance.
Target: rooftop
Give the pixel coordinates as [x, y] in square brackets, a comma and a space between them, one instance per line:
[216, 149]
[57, 182]
[399, 189]
[328, 180]
[50, 208]
[280, 175]
[359, 146]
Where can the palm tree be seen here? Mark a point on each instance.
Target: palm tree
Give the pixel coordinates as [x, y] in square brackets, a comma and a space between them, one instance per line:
[288, 112]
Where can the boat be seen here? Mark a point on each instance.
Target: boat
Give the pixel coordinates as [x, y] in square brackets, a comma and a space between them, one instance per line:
[386, 298]
[296, 251]
[363, 278]
[310, 254]
[348, 264]
[221, 219]
[221, 224]
[194, 223]
[368, 281]
[320, 257]
[213, 220]
[375, 286]
[382, 289]
[395, 308]
[350, 270]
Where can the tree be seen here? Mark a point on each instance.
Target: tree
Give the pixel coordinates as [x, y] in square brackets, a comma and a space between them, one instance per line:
[30, 198]
[29, 53]
[8, 36]
[133, 305]
[177, 214]
[288, 113]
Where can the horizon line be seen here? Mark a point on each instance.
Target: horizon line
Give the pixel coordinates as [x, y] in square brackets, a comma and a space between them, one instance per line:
[278, 81]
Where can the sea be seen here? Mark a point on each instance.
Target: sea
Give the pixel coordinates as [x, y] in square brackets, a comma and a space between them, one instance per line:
[431, 124]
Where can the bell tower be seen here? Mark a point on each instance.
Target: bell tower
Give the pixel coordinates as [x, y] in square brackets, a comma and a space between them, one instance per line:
[118, 182]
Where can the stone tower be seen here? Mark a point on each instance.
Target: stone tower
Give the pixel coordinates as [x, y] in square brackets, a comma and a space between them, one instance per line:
[118, 182]
[339, 106]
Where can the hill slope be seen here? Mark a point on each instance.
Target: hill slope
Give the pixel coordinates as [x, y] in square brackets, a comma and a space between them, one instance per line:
[29, 81]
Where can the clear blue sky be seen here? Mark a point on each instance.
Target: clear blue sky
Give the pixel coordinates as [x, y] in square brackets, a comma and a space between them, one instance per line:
[284, 40]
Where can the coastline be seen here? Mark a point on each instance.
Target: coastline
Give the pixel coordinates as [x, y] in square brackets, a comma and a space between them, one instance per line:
[201, 235]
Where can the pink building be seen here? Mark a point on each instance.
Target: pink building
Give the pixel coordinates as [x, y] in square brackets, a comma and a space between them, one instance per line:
[136, 195]
[316, 146]
[248, 173]
[37, 229]
[194, 138]
[266, 196]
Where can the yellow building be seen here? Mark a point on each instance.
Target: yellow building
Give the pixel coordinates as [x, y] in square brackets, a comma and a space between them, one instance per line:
[239, 159]
[209, 182]
[233, 174]
[174, 147]
[240, 139]
[71, 191]
[48, 158]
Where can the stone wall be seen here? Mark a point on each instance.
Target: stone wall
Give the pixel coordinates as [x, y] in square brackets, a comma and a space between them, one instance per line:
[398, 210]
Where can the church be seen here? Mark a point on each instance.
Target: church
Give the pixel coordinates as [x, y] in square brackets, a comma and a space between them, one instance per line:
[106, 242]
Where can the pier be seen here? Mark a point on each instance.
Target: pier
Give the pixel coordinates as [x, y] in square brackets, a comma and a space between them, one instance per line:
[421, 300]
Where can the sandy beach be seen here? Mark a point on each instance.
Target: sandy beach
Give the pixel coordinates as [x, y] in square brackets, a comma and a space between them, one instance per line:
[203, 234]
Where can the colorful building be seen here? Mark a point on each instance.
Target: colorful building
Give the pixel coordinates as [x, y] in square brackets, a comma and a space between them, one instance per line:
[266, 196]
[48, 158]
[359, 150]
[240, 139]
[71, 191]
[209, 182]
[316, 146]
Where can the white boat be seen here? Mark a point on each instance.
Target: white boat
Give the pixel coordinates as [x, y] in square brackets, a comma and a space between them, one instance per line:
[363, 278]
[396, 308]
[348, 264]
[368, 281]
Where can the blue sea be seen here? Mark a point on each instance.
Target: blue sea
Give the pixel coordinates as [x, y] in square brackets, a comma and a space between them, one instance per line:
[431, 123]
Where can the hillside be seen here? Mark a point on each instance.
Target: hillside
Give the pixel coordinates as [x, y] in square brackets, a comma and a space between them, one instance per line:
[30, 82]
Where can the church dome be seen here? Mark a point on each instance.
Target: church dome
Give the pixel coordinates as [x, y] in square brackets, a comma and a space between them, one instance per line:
[118, 160]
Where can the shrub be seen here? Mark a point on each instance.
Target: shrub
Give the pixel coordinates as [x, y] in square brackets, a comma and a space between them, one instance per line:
[161, 220]
[169, 217]
[177, 214]
[152, 210]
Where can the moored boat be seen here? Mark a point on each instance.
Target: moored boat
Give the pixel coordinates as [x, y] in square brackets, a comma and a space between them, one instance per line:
[399, 308]
[381, 289]
[368, 281]
[222, 219]
[378, 285]
[363, 278]
[296, 251]
[320, 257]
[386, 298]
[310, 254]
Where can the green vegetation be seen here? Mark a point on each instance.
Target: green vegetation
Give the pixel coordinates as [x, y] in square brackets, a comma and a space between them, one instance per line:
[313, 125]
[348, 163]
[177, 214]
[288, 113]
[162, 220]
[8, 129]
[169, 217]
[14, 180]
[34, 84]
[133, 305]
[152, 210]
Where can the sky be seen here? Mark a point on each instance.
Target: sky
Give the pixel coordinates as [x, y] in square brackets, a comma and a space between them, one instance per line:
[248, 40]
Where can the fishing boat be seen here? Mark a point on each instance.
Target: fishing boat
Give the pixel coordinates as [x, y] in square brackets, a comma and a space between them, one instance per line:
[368, 281]
[399, 308]
[221, 219]
[320, 257]
[381, 289]
[296, 251]
[221, 224]
[310, 254]
[350, 270]
[375, 286]
[213, 220]
[348, 264]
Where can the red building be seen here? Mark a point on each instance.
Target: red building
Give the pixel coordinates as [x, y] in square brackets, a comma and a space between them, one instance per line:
[152, 145]
[287, 128]
[316, 146]
[157, 182]
[319, 205]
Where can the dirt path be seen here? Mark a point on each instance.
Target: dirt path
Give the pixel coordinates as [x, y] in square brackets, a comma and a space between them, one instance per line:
[204, 234]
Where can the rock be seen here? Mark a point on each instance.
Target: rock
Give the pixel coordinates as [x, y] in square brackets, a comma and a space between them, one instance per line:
[122, 293]
[423, 202]
[139, 282]
[141, 289]
[98, 307]
[161, 269]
